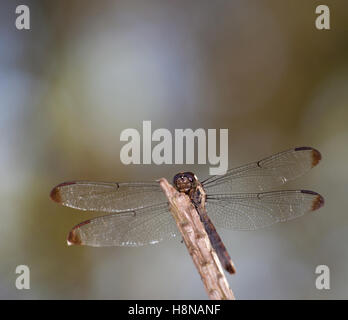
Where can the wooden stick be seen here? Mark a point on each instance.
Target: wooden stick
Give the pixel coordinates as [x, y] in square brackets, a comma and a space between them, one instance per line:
[198, 244]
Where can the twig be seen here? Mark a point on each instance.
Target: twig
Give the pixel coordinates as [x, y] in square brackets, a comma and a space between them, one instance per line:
[198, 243]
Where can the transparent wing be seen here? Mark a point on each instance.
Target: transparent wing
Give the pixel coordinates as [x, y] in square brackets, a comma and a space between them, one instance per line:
[265, 174]
[140, 227]
[250, 211]
[108, 196]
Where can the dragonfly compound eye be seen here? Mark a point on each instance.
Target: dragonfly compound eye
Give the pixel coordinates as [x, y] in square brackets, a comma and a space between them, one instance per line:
[184, 181]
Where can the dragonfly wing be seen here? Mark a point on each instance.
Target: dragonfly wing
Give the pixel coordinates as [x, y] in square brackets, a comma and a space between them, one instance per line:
[265, 174]
[107, 196]
[250, 211]
[131, 228]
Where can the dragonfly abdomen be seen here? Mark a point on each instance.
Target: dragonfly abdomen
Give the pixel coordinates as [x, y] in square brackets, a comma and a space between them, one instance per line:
[217, 243]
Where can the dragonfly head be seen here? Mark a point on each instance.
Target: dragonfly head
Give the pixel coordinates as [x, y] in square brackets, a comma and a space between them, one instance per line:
[184, 181]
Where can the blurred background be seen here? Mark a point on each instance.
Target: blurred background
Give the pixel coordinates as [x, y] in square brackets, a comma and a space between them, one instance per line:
[85, 71]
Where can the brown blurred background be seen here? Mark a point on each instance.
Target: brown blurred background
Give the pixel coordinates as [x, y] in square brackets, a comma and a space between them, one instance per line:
[88, 70]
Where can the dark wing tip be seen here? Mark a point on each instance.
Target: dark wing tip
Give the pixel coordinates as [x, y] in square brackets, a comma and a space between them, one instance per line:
[316, 156]
[55, 193]
[74, 237]
[318, 201]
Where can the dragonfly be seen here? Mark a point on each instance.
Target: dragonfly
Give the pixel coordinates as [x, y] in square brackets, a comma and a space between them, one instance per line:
[244, 198]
